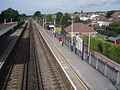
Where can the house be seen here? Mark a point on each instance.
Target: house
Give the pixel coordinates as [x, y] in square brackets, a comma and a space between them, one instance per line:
[80, 29]
[115, 17]
[93, 16]
[101, 21]
[84, 16]
[115, 40]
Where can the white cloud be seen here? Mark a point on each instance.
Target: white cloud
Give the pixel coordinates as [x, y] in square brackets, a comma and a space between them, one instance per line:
[52, 6]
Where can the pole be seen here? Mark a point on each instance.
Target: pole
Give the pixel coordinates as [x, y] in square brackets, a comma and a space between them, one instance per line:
[11, 20]
[4, 21]
[54, 23]
[89, 47]
[72, 33]
[72, 36]
[43, 22]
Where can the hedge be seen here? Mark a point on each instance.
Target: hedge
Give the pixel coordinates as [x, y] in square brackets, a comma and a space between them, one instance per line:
[108, 49]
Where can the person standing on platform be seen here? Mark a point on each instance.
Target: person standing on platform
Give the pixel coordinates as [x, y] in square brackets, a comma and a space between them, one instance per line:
[60, 41]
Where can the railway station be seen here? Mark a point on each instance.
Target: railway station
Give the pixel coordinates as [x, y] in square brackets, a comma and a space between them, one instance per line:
[60, 51]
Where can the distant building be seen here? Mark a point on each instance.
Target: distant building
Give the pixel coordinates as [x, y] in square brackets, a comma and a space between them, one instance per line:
[115, 17]
[79, 29]
[84, 16]
[101, 21]
[93, 16]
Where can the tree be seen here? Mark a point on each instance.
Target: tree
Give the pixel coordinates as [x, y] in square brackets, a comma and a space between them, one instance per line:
[81, 11]
[109, 13]
[76, 12]
[22, 17]
[76, 19]
[49, 18]
[65, 20]
[10, 14]
[37, 13]
[58, 17]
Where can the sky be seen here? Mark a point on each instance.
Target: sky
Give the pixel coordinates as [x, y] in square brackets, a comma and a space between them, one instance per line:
[52, 6]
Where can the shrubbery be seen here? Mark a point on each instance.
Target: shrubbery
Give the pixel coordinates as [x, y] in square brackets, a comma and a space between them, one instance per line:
[108, 49]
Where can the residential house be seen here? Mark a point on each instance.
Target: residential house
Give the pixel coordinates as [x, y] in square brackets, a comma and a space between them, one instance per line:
[115, 40]
[80, 29]
[101, 21]
[115, 17]
[93, 16]
[84, 16]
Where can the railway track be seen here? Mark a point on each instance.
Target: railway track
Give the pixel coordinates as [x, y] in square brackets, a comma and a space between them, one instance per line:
[31, 65]
[50, 76]
[13, 67]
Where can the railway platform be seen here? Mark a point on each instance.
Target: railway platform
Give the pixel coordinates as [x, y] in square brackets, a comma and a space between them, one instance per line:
[87, 75]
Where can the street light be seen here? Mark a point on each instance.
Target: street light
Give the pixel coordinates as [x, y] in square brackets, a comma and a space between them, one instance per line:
[54, 23]
[43, 22]
[71, 34]
[5, 21]
[89, 46]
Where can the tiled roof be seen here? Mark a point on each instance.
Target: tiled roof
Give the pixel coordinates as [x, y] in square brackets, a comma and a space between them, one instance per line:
[116, 14]
[114, 38]
[79, 27]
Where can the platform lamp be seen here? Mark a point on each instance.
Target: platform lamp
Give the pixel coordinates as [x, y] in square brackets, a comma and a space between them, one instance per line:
[89, 46]
[43, 22]
[11, 20]
[71, 33]
[5, 21]
[54, 23]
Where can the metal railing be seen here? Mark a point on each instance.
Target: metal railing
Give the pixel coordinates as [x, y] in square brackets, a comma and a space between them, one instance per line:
[103, 67]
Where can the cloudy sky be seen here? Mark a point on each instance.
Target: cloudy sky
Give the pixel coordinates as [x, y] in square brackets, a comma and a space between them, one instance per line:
[53, 6]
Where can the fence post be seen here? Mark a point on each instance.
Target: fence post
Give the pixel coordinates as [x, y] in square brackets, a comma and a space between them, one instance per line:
[97, 63]
[90, 58]
[118, 77]
[105, 70]
[84, 55]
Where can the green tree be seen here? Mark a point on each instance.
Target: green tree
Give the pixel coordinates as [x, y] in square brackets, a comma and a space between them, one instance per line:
[65, 20]
[81, 11]
[114, 29]
[37, 13]
[49, 18]
[10, 14]
[58, 17]
[109, 13]
[22, 17]
[76, 19]
[76, 12]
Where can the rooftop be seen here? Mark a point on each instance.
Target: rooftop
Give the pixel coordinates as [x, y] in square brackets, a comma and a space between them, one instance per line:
[79, 27]
[114, 38]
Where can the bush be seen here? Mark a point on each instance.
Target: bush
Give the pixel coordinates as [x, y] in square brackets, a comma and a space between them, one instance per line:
[106, 48]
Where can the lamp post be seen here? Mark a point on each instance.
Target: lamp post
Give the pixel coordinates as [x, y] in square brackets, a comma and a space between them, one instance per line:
[54, 23]
[43, 22]
[5, 21]
[11, 20]
[71, 34]
[89, 46]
